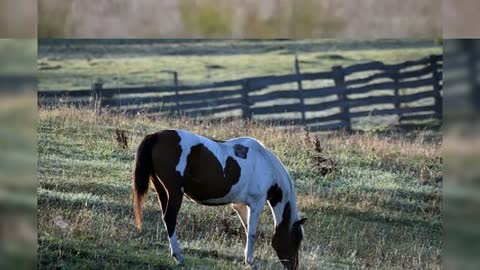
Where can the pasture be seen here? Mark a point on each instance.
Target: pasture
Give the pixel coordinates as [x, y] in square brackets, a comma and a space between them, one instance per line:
[379, 208]
[76, 64]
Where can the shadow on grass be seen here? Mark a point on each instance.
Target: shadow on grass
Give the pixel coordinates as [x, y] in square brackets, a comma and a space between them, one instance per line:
[404, 201]
[57, 199]
[69, 203]
[63, 200]
[95, 188]
[52, 251]
[48, 201]
[401, 209]
[74, 152]
[401, 198]
[214, 47]
[383, 219]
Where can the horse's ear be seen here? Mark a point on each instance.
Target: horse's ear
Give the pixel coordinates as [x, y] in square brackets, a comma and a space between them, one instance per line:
[300, 222]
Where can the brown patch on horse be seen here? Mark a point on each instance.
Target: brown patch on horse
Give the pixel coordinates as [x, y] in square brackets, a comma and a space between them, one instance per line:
[165, 156]
[204, 177]
[286, 239]
[240, 151]
[282, 231]
[157, 155]
[274, 195]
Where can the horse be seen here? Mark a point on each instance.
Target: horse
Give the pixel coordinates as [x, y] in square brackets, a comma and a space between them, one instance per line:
[241, 172]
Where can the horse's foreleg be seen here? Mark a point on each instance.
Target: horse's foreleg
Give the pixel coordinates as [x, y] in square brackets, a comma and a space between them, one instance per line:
[242, 212]
[170, 219]
[254, 212]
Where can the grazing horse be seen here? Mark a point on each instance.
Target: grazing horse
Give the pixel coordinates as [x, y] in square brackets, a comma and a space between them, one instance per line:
[239, 171]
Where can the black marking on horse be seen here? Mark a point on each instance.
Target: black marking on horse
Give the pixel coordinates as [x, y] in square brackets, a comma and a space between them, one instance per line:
[232, 171]
[274, 195]
[240, 151]
[286, 239]
[281, 238]
[213, 204]
[204, 178]
[165, 155]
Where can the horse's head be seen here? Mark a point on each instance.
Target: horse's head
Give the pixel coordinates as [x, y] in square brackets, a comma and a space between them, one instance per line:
[286, 242]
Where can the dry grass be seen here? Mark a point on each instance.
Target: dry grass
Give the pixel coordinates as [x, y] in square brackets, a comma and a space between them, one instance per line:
[380, 208]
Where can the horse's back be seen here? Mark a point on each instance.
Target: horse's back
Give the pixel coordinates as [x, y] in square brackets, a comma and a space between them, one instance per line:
[210, 171]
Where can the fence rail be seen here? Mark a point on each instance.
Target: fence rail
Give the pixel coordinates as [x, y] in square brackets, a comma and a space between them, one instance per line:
[411, 90]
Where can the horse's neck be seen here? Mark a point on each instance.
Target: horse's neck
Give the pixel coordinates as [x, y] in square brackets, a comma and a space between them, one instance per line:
[290, 198]
[284, 181]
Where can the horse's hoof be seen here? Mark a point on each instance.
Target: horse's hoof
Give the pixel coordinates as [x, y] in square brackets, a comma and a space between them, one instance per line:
[251, 266]
[179, 259]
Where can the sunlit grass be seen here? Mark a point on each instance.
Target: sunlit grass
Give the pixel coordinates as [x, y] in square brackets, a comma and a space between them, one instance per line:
[78, 66]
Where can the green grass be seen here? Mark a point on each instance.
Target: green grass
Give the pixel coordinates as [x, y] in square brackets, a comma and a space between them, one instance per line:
[77, 65]
[380, 208]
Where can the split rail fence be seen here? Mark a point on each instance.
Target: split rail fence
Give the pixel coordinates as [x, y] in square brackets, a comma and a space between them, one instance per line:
[332, 99]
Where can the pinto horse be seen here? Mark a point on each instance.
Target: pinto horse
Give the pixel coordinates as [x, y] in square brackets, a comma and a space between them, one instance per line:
[239, 171]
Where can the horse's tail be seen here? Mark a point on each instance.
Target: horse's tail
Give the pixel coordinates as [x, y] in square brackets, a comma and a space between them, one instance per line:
[143, 169]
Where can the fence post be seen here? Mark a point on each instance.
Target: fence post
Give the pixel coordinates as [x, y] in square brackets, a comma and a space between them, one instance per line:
[177, 95]
[175, 78]
[97, 96]
[175, 83]
[246, 112]
[300, 89]
[339, 78]
[436, 85]
[396, 90]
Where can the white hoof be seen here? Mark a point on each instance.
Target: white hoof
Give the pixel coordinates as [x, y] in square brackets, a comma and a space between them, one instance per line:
[179, 259]
[251, 265]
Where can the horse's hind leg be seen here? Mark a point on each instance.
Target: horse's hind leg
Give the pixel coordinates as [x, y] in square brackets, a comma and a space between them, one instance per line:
[170, 219]
[161, 193]
[254, 212]
[171, 202]
[242, 212]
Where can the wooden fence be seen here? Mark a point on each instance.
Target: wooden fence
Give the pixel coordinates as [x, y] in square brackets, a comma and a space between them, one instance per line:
[332, 99]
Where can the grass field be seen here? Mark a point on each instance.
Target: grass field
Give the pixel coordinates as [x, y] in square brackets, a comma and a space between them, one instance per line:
[380, 208]
[76, 65]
